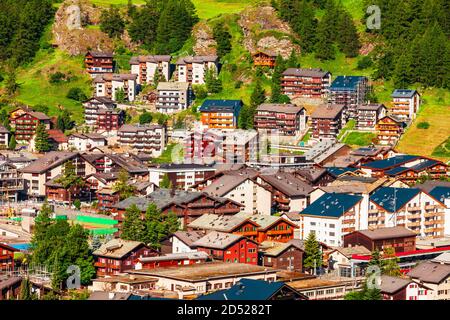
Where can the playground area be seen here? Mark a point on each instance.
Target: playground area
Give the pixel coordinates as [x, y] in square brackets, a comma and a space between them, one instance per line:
[96, 226]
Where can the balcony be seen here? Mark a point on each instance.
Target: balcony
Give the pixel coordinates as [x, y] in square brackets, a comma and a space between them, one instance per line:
[413, 209]
[431, 207]
[433, 222]
[373, 211]
[413, 224]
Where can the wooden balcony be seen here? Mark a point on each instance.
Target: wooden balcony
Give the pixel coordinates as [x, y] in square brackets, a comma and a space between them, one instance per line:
[413, 216]
[413, 209]
[413, 224]
[433, 214]
[431, 207]
[433, 222]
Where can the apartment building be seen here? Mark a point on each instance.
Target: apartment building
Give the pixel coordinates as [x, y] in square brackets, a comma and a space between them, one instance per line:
[145, 67]
[181, 176]
[220, 114]
[389, 130]
[306, 83]
[287, 119]
[193, 69]
[101, 114]
[349, 91]
[148, 138]
[328, 120]
[109, 84]
[4, 137]
[98, 63]
[369, 114]
[406, 104]
[173, 97]
[11, 181]
[27, 123]
[86, 141]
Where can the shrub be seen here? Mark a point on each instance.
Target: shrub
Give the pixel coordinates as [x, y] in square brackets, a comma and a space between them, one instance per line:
[57, 77]
[76, 94]
[423, 125]
[364, 63]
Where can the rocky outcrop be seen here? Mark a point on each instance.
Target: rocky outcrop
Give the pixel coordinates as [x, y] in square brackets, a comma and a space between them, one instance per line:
[76, 31]
[263, 30]
[204, 40]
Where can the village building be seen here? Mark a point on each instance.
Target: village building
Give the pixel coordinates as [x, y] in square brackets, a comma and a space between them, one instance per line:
[86, 141]
[172, 259]
[193, 69]
[11, 182]
[27, 123]
[285, 119]
[146, 67]
[4, 137]
[340, 260]
[107, 199]
[323, 289]
[281, 255]
[110, 84]
[55, 192]
[196, 279]
[121, 284]
[57, 139]
[17, 112]
[6, 257]
[406, 104]
[98, 63]
[306, 83]
[368, 115]
[389, 130]
[101, 114]
[118, 256]
[173, 97]
[228, 247]
[148, 138]
[271, 228]
[181, 241]
[350, 91]
[220, 114]
[264, 58]
[396, 288]
[100, 162]
[435, 276]
[328, 120]
[315, 176]
[181, 176]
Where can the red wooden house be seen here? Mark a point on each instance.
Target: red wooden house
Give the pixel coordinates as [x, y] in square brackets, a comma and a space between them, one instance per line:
[272, 228]
[228, 247]
[6, 257]
[172, 259]
[118, 255]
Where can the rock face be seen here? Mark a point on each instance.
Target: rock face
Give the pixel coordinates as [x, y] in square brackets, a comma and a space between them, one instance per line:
[70, 32]
[263, 30]
[204, 40]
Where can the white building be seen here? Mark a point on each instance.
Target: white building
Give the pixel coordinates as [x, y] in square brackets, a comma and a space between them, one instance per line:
[406, 104]
[146, 138]
[86, 141]
[145, 67]
[107, 85]
[182, 176]
[4, 137]
[173, 97]
[193, 69]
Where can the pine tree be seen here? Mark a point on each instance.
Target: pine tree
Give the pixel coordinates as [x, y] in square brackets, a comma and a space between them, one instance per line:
[133, 227]
[172, 223]
[69, 179]
[41, 141]
[165, 182]
[348, 40]
[375, 259]
[292, 61]
[120, 95]
[111, 22]
[324, 46]
[313, 253]
[25, 290]
[403, 73]
[257, 97]
[276, 79]
[155, 229]
[12, 143]
[212, 82]
[223, 39]
[123, 187]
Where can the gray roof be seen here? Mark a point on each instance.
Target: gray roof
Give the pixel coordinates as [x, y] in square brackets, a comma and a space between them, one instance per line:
[288, 184]
[173, 86]
[274, 248]
[117, 248]
[387, 233]
[3, 129]
[217, 222]
[371, 106]
[189, 237]
[217, 240]
[431, 272]
[317, 72]
[280, 107]
[197, 59]
[115, 77]
[139, 127]
[177, 256]
[326, 111]
[403, 93]
[152, 58]
[49, 161]
[392, 285]
[229, 181]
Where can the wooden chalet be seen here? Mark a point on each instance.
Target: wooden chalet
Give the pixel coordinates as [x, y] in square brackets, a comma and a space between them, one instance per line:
[264, 58]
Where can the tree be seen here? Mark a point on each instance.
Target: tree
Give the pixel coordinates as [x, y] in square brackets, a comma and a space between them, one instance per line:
[12, 143]
[158, 77]
[165, 182]
[324, 46]
[145, 117]
[292, 61]
[133, 227]
[223, 39]
[123, 186]
[76, 94]
[276, 79]
[69, 179]
[120, 95]
[142, 29]
[11, 84]
[77, 204]
[212, 82]
[25, 290]
[41, 141]
[403, 72]
[375, 259]
[111, 22]
[64, 121]
[313, 253]
[348, 39]
[390, 263]
[257, 97]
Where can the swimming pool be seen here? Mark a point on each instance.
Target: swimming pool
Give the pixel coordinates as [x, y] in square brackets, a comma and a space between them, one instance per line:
[21, 246]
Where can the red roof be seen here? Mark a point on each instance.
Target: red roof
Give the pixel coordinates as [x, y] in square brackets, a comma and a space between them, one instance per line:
[57, 135]
[406, 254]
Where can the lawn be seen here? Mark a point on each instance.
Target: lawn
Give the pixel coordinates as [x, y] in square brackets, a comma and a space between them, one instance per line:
[359, 138]
[166, 156]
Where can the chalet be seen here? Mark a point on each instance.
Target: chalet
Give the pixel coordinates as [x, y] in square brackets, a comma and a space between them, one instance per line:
[6, 257]
[234, 224]
[118, 255]
[281, 255]
[367, 115]
[227, 247]
[110, 163]
[181, 242]
[434, 275]
[398, 238]
[17, 112]
[86, 141]
[193, 69]
[264, 58]
[102, 180]
[27, 123]
[349, 91]
[315, 176]
[173, 97]
[4, 137]
[11, 181]
[389, 130]
[172, 259]
[57, 193]
[146, 67]
[108, 85]
[408, 207]
[271, 228]
[98, 63]
[181, 176]
[248, 289]
[337, 172]
[328, 120]
[146, 138]
[107, 198]
[371, 153]
[48, 167]
[305, 83]
[220, 114]
[286, 119]
[406, 104]
[57, 139]
[395, 288]
[205, 277]
[331, 216]
[187, 205]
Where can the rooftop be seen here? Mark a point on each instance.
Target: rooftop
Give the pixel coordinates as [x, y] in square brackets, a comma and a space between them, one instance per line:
[117, 248]
[395, 161]
[217, 240]
[328, 111]
[440, 193]
[216, 222]
[299, 72]
[49, 161]
[221, 106]
[346, 83]
[150, 58]
[387, 233]
[274, 248]
[189, 237]
[393, 199]
[177, 256]
[173, 86]
[392, 285]
[431, 272]
[280, 107]
[404, 93]
[332, 205]
[288, 184]
[197, 59]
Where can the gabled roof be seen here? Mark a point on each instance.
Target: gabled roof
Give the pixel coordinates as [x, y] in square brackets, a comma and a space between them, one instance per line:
[392, 285]
[49, 161]
[177, 256]
[117, 248]
[250, 289]
[219, 222]
[332, 205]
[229, 180]
[217, 240]
[3, 129]
[57, 135]
[337, 171]
[440, 193]
[264, 221]
[350, 251]
[387, 233]
[98, 54]
[393, 199]
[197, 59]
[404, 93]
[346, 83]
[371, 106]
[392, 162]
[417, 168]
[221, 106]
[189, 237]
[299, 72]
[280, 107]
[173, 86]
[431, 272]
[288, 184]
[274, 248]
[151, 58]
[328, 111]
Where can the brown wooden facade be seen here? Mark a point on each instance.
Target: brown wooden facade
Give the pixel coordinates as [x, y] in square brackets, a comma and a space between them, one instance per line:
[400, 244]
